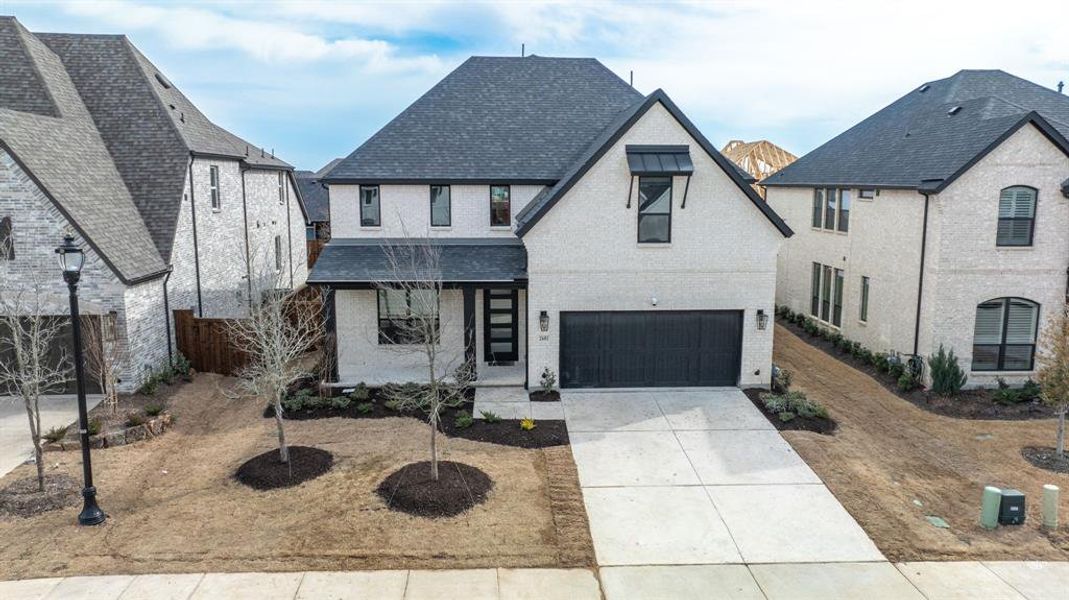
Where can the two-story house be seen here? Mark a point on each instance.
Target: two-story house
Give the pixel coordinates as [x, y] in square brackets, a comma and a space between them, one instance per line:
[97, 142]
[581, 227]
[941, 219]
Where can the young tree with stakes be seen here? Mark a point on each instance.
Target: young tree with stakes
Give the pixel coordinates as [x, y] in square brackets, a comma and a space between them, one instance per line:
[410, 289]
[1054, 371]
[103, 356]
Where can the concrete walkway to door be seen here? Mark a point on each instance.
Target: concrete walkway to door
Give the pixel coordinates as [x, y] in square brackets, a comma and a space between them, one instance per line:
[673, 477]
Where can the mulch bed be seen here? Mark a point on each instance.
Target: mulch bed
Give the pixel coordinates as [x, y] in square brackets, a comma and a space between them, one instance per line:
[815, 424]
[969, 404]
[411, 489]
[542, 396]
[1046, 458]
[268, 472]
[22, 497]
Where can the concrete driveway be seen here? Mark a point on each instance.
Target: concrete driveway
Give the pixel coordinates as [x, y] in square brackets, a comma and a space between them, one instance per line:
[700, 478]
[15, 444]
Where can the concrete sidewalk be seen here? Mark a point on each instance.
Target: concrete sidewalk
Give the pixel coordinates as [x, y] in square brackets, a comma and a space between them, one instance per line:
[15, 444]
[785, 581]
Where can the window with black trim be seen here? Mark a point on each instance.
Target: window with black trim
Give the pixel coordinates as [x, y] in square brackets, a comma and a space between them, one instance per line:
[863, 315]
[818, 208]
[814, 305]
[654, 210]
[441, 206]
[844, 211]
[281, 188]
[408, 316]
[1016, 216]
[837, 300]
[370, 213]
[1004, 338]
[7, 239]
[500, 206]
[213, 187]
[866, 193]
[831, 209]
[825, 294]
[278, 252]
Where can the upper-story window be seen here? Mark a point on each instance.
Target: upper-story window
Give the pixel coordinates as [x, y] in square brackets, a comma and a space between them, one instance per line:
[1016, 216]
[213, 187]
[500, 206]
[7, 240]
[278, 252]
[654, 210]
[1004, 338]
[281, 188]
[370, 213]
[441, 206]
[831, 209]
[866, 193]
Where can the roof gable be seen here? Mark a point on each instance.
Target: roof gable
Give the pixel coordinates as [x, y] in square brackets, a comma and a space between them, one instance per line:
[544, 202]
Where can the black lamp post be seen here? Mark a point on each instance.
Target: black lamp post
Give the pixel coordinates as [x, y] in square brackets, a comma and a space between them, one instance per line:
[71, 260]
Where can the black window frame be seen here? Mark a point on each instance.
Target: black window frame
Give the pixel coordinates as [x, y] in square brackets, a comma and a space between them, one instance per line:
[842, 223]
[215, 194]
[831, 208]
[863, 311]
[825, 293]
[671, 195]
[838, 283]
[1000, 363]
[281, 188]
[394, 339]
[378, 205]
[508, 196]
[1031, 221]
[7, 238]
[814, 283]
[278, 252]
[449, 207]
[866, 193]
[817, 220]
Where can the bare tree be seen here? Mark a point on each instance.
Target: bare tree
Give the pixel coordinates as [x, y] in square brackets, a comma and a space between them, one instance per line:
[1054, 371]
[409, 294]
[31, 366]
[280, 330]
[104, 356]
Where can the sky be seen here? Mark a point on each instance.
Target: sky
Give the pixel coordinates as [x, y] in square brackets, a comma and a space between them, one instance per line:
[314, 79]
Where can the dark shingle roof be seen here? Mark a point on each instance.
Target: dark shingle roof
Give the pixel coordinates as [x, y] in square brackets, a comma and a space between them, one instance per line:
[495, 119]
[21, 87]
[916, 140]
[316, 199]
[149, 126]
[461, 260]
[68, 159]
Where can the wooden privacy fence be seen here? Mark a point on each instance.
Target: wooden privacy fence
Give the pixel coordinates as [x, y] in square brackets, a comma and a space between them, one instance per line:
[206, 344]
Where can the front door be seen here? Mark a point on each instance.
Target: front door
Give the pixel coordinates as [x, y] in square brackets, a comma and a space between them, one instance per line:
[500, 328]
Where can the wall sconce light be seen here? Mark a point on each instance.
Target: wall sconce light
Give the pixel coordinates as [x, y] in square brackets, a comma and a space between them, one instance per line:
[762, 319]
[543, 321]
[653, 300]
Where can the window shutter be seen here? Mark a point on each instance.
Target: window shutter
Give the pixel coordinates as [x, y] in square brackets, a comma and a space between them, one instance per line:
[988, 323]
[1021, 322]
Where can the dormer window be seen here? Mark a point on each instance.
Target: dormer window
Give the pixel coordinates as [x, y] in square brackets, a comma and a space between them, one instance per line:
[1016, 216]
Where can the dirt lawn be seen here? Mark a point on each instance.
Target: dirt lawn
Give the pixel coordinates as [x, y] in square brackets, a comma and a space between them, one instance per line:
[887, 454]
[174, 506]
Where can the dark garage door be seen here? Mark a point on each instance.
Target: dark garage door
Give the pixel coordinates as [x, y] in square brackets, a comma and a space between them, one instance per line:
[650, 348]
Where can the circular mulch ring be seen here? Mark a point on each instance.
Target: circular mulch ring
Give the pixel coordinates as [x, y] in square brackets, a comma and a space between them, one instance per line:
[268, 472]
[410, 489]
[22, 498]
[1046, 458]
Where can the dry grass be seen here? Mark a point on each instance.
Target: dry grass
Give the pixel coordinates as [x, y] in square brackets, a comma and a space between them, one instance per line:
[888, 453]
[174, 506]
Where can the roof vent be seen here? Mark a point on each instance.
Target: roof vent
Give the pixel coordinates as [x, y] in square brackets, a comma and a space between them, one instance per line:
[924, 88]
[163, 81]
[954, 110]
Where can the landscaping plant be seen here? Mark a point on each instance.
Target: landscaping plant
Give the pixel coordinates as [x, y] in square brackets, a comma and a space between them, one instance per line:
[365, 408]
[947, 375]
[790, 405]
[103, 356]
[154, 410]
[527, 424]
[548, 380]
[1053, 362]
[463, 420]
[781, 380]
[490, 417]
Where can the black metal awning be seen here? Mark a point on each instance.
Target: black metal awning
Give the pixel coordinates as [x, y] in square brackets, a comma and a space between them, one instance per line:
[365, 262]
[659, 160]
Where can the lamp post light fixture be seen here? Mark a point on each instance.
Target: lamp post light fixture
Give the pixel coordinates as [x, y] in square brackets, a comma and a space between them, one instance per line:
[71, 259]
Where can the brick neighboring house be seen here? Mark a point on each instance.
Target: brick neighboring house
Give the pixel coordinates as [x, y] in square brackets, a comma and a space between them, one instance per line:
[583, 227]
[941, 219]
[96, 141]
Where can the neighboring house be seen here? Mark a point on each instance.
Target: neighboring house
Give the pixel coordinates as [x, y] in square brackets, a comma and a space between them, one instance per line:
[758, 159]
[582, 227]
[317, 203]
[96, 141]
[941, 219]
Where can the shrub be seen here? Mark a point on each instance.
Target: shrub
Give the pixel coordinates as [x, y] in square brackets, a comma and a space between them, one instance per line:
[293, 404]
[154, 410]
[786, 416]
[150, 386]
[548, 380]
[906, 381]
[365, 408]
[781, 380]
[794, 403]
[490, 417]
[341, 402]
[1007, 396]
[947, 375]
[166, 375]
[182, 366]
[55, 434]
[837, 340]
[896, 370]
[463, 420]
[360, 393]
[1031, 390]
[394, 405]
[881, 362]
[867, 356]
[527, 424]
[95, 426]
[134, 419]
[800, 318]
[810, 326]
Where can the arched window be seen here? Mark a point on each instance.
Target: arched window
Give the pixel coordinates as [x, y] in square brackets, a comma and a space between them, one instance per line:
[1016, 216]
[1005, 335]
[7, 240]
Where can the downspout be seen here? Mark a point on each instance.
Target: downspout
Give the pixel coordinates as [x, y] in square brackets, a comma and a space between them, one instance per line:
[289, 229]
[920, 277]
[167, 315]
[248, 252]
[196, 248]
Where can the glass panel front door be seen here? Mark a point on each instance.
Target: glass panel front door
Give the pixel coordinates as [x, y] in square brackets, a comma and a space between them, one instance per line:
[500, 329]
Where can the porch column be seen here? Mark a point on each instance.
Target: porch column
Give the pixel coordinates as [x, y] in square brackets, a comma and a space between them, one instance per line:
[469, 328]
